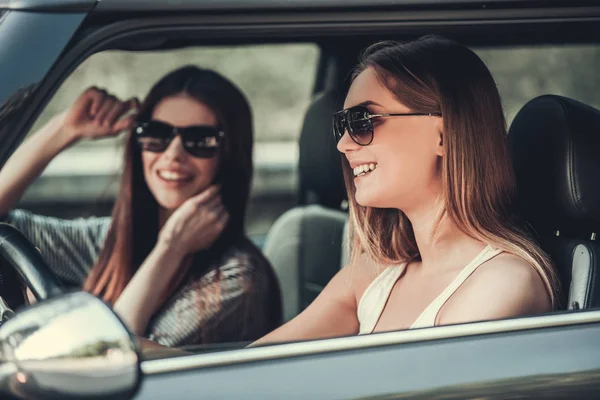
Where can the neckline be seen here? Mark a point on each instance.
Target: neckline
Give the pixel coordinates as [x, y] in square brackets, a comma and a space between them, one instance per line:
[438, 298]
[456, 282]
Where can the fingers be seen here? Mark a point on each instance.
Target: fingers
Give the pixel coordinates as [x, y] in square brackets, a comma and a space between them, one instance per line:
[124, 124]
[213, 204]
[206, 195]
[109, 104]
[89, 101]
[215, 217]
[116, 112]
[104, 108]
[221, 219]
[128, 117]
[134, 103]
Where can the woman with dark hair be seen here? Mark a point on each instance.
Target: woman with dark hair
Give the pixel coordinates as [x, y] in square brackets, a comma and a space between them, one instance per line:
[430, 186]
[173, 260]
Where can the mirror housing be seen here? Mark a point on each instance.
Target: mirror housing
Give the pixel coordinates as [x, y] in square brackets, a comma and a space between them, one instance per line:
[70, 346]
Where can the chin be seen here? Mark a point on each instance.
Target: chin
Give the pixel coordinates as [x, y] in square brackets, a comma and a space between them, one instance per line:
[169, 201]
[365, 200]
[371, 200]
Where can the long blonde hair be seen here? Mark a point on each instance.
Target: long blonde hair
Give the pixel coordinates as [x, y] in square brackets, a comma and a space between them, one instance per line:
[436, 75]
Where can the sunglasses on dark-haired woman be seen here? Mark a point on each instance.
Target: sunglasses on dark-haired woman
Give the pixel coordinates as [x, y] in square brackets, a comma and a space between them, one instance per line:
[200, 141]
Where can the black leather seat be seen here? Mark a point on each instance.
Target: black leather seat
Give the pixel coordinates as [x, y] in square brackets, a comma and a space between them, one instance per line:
[305, 244]
[555, 144]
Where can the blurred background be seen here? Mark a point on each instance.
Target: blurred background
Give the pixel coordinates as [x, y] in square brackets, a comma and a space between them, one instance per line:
[278, 81]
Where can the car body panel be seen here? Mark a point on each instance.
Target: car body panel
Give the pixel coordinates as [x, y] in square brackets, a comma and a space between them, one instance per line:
[531, 363]
[49, 5]
[147, 5]
[521, 361]
[30, 44]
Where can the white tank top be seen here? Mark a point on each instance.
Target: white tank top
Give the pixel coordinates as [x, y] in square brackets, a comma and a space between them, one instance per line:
[373, 300]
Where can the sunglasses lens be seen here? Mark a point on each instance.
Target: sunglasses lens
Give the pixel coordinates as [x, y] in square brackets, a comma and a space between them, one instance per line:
[357, 122]
[339, 125]
[155, 145]
[361, 127]
[153, 136]
[201, 141]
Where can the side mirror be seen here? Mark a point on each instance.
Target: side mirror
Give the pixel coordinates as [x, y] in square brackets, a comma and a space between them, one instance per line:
[71, 346]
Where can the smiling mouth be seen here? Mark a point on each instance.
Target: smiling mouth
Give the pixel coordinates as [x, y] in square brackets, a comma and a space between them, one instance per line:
[172, 176]
[363, 169]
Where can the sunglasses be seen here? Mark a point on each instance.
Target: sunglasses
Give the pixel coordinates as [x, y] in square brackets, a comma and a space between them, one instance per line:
[200, 141]
[358, 122]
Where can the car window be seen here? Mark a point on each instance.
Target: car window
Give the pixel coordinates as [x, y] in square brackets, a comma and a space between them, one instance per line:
[82, 180]
[523, 73]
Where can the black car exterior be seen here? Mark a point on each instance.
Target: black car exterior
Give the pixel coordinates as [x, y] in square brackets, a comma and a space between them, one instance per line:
[550, 356]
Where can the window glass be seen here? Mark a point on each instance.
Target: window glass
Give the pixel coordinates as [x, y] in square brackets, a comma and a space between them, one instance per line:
[277, 80]
[526, 72]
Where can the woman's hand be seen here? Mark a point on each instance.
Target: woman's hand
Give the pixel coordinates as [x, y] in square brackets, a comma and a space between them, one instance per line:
[196, 224]
[94, 114]
[97, 114]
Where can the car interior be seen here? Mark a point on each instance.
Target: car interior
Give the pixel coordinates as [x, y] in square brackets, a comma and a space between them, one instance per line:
[554, 146]
[552, 138]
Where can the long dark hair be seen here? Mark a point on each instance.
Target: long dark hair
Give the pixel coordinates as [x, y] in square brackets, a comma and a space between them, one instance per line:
[437, 75]
[134, 228]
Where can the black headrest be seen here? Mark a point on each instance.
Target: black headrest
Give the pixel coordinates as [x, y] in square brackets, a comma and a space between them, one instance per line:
[555, 145]
[321, 179]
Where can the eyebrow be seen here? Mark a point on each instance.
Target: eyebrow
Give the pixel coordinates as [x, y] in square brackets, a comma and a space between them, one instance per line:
[368, 103]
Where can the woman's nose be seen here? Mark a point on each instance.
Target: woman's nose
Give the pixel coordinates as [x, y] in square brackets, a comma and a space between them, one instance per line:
[175, 150]
[346, 144]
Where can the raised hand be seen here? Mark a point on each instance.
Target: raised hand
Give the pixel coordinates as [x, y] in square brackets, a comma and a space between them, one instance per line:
[98, 114]
[196, 224]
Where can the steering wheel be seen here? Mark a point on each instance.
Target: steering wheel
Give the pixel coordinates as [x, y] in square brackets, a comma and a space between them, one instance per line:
[24, 259]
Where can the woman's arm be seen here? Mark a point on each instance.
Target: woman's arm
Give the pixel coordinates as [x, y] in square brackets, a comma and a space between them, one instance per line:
[30, 160]
[193, 227]
[230, 303]
[504, 287]
[94, 114]
[147, 290]
[333, 313]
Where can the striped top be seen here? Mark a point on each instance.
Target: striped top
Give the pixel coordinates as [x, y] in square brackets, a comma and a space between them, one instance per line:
[234, 299]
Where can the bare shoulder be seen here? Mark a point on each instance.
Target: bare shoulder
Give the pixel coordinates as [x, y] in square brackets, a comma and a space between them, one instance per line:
[360, 273]
[505, 286]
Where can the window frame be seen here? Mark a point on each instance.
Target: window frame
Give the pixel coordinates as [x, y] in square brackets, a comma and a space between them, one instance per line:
[100, 37]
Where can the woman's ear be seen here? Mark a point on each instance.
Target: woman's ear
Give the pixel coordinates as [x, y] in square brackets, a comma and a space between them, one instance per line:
[440, 128]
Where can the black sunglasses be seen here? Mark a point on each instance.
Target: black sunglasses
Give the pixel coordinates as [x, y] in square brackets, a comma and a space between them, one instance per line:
[200, 140]
[358, 122]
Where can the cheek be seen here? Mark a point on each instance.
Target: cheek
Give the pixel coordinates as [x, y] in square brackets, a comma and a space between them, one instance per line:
[206, 168]
[148, 160]
[412, 149]
[408, 165]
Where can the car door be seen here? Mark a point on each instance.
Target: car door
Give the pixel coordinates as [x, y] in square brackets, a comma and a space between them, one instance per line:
[33, 34]
[553, 356]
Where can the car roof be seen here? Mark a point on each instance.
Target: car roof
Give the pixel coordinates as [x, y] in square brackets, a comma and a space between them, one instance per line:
[161, 5]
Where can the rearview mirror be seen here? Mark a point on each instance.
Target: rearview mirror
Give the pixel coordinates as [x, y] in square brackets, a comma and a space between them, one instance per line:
[70, 346]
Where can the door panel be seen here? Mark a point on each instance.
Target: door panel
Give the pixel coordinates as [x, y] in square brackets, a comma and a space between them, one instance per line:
[540, 363]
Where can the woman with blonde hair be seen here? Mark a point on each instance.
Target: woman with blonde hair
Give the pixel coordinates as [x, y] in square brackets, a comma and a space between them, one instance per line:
[434, 239]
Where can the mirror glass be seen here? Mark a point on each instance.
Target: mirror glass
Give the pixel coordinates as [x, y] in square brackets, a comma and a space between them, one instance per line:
[68, 347]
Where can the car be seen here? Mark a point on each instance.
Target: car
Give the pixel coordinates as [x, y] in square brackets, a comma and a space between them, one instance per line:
[71, 345]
